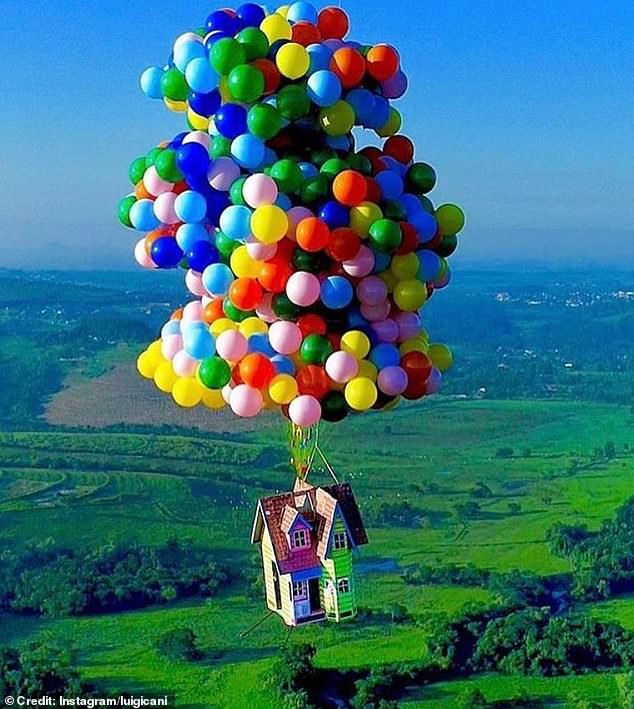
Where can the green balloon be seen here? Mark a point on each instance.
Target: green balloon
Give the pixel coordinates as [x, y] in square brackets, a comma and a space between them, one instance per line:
[150, 158]
[254, 42]
[284, 308]
[360, 163]
[201, 31]
[311, 262]
[287, 175]
[234, 313]
[174, 86]
[167, 167]
[263, 120]
[315, 349]
[220, 147]
[235, 191]
[245, 83]
[422, 177]
[319, 157]
[447, 246]
[314, 188]
[332, 167]
[125, 205]
[225, 245]
[334, 407]
[226, 54]
[393, 209]
[137, 170]
[428, 205]
[214, 372]
[293, 102]
[385, 235]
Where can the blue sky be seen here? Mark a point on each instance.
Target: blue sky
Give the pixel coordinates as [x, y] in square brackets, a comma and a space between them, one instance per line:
[525, 109]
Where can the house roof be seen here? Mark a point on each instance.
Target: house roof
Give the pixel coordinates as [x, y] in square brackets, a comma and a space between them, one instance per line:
[279, 512]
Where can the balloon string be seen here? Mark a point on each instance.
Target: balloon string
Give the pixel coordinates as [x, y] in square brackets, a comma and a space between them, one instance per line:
[326, 463]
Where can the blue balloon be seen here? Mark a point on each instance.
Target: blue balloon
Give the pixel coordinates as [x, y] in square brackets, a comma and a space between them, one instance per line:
[319, 56]
[171, 327]
[151, 82]
[270, 157]
[248, 151]
[190, 207]
[223, 22]
[217, 279]
[186, 52]
[336, 292]
[142, 215]
[380, 113]
[201, 255]
[425, 224]
[324, 88]
[430, 265]
[390, 183]
[356, 321]
[259, 342]
[192, 158]
[231, 120]
[235, 222]
[283, 201]
[217, 202]
[190, 234]
[302, 12]
[382, 261]
[166, 253]
[394, 165]
[283, 365]
[200, 76]
[362, 102]
[250, 14]
[334, 214]
[308, 169]
[411, 204]
[339, 142]
[385, 355]
[214, 37]
[199, 343]
[176, 142]
[205, 104]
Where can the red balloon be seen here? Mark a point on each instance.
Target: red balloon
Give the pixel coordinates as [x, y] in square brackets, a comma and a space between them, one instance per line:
[312, 324]
[305, 33]
[417, 366]
[349, 66]
[436, 241]
[313, 380]
[272, 77]
[274, 274]
[344, 244]
[410, 239]
[245, 293]
[382, 62]
[333, 23]
[400, 148]
[256, 370]
[349, 188]
[312, 234]
[285, 249]
[373, 193]
[415, 390]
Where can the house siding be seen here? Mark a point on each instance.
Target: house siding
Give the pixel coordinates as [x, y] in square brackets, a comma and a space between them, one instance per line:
[336, 567]
[268, 558]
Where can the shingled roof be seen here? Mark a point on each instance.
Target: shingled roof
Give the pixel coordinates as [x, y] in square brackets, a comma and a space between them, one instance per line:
[277, 511]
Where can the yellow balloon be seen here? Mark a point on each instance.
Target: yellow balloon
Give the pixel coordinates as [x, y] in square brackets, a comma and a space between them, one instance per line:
[451, 218]
[413, 344]
[146, 364]
[292, 60]
[275, 27]
[410, 295]
[197, 122]
[223, 89]
[337, 119]
[283, 389]
[213, 399]
[355, 343]
[405, 267]
[440, 356]
[187, 392]
[368, 370]
[361, 394]
[175, 106]
[392, 126]
[251, 326]
[363, 216]
[389, 279]
[283, 10]
[243, 265]
[269, 223]
[155, 350]
[164, 377]
[222, 325]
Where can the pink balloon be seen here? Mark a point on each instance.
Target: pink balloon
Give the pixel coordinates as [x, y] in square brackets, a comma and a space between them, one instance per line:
[392, 381]
[374, 313]
[171, 345]
[285, 337]
[193, 311]
[361, 265]
[371, 290]
[341, 367]
[164, 208]
[259, 251]
[194, 283]
[385, 330]
[408, 325]
[295, 216]
[226, 392]
[303, 288]
[141, 255]
[265, 310]
[223, 172]
[259, 190]
[231, 345]
[197, 136]
[304, 410]
[246, 401]
[155, 184]
[184, 365]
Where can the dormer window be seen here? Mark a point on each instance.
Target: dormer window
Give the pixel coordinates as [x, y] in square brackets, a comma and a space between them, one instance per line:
[341, 540]
[300, 538]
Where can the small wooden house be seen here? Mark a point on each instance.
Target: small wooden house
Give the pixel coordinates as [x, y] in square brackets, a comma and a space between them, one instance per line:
[307, 538]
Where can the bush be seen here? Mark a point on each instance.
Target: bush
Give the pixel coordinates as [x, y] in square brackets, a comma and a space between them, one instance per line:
[178, 644]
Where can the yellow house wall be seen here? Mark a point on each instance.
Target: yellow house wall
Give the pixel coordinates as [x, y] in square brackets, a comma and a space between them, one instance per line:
[287, 611]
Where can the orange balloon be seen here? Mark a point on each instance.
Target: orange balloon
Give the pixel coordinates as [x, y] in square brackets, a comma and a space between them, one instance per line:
[213, 311]
[245, 293]
[177, 314]
[349, 66]
[140, 192]
[274, 274]
[349, 188]
[256, 370]
[312, 234]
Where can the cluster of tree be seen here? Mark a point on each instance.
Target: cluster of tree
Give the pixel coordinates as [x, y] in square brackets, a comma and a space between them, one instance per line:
[294, 677]
[528, 642]
[394, 514]
[473, 698]
[54, 581]
[178, 644]
[603, 561]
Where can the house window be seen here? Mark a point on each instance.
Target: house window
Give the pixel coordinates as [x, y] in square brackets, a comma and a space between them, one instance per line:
[344, 586]
[341, 540]
[300, 538]
[300, 590]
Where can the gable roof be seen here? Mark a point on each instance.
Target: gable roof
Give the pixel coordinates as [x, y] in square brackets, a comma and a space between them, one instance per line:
[279, 512]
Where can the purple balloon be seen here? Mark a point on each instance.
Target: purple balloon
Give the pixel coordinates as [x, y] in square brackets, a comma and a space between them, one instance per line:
[392, 381]
[385, 330]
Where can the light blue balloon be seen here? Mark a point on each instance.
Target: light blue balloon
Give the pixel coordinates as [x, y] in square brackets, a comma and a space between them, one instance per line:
[172, 327]
[142, 215]
[319, 56]
[190, 207]
[247, 150]
[259, 342]
[200, 76]
[411, 204]
[385, 355]
[336, 292]
[382, 261]
[217, 279]
[302, 12]
[324, 88]
[188, 234]
[235, 222]
[283, 201]
[186, 51]
[430, 265]
[190, 327]
[199, 343]
[425, 225]
[151, 82]
[283, 365]
[308, 169]
[390, 183]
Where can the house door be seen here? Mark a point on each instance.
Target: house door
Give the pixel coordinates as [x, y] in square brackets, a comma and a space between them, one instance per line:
[313, 594]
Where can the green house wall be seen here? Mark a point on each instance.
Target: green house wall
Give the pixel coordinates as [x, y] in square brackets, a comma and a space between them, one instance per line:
[338, 565]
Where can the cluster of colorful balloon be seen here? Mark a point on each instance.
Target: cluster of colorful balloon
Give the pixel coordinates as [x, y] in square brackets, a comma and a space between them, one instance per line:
[309, 261]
